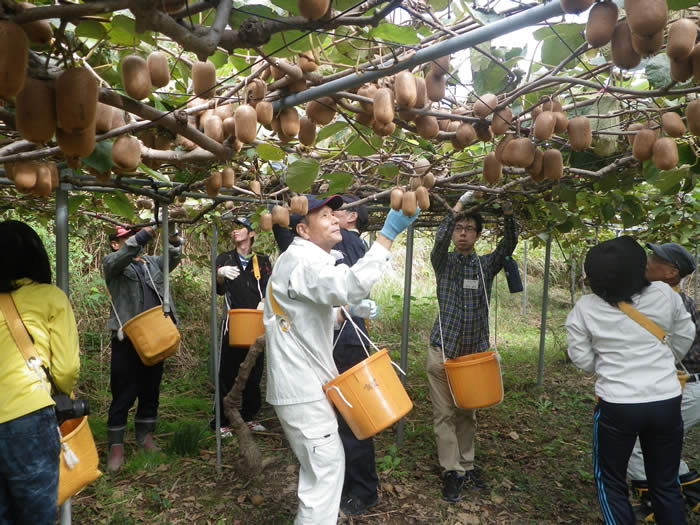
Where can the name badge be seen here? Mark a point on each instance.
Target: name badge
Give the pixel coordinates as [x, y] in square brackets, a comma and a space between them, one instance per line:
[470, 284]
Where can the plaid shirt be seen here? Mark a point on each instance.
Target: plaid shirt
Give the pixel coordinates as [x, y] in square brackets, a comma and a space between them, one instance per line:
[692, 358]
[463, 311]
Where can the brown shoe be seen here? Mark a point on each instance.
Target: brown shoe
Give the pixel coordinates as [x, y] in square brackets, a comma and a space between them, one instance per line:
[149, 444]
[116, 457]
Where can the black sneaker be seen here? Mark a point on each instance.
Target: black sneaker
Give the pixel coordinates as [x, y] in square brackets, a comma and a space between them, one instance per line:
[690, 485]
[452, 484]
[354, 506]
[473, 479]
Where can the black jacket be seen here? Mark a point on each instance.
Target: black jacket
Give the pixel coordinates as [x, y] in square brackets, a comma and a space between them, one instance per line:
[242, 292]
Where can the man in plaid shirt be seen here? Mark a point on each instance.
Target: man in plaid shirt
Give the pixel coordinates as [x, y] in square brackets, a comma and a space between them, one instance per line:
[464, 281]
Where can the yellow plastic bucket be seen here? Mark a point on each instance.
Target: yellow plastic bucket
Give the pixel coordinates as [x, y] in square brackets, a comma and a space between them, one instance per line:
[77, 435]
[475, 380]
[373, 389]
[153, 334]
[244, 326]
[682, 377]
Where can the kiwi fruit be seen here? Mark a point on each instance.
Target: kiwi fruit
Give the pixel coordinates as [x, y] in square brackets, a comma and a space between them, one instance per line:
[213, 127]
[535, 170]
[313, 9]
[623, 54]
[483, 131]
[295, 205]
[136, 77]
[552, 164]
[427, 126]
[280, 215]
[443, 124]
[126, 153]
[289, 122]
[396, 199]
[405, 89]
[383, 130]
[535, 112]
[421, 166]
[435, 87]
[692, 116]
[44, 185]
[575, 6]
[224, 111]
[266, 221]
[366, 119]
[492, 169]
[464, 136]
[500, 148]
[428, 180]
[228, 177]
[367, 91]
[212, 184]
[254, 186]
[421, 93]
[681, 69]
[646, 46]
[264, 112]
[580, 135]
[203, 79]
[76, 144]
[76, 100]
[35, 111]
[13, 58]
[672, 123]
[485, 105]
[562, 123]
[158, 69]
[383, 103]
[321, 111]
[229, 125]
[409, 204]
[544, 125]
[500, 122]
[695, 61]
[38, 31]
[634, 127]
[414, 182]
[643, 145]
[245, 123]
[681, 38]
[307, 131]
[601, 23]
[103, 117]
[519, 153]
[422, 197]
[255, 91]
[665, 154]
[307, 62]
[25, 175]
[646, 17]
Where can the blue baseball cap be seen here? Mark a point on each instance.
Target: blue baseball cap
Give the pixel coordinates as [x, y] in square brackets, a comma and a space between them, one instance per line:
[333, 202]
[676, 255]
[244, 221]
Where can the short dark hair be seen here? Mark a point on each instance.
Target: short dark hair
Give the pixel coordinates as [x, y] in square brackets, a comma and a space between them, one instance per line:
[24, 256]
[475, 216]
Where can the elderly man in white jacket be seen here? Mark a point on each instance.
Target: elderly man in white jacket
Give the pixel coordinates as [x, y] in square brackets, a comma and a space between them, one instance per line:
[301, 310]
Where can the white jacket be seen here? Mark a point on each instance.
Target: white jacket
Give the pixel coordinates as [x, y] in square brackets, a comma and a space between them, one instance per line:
[307, 285]
[631, 364]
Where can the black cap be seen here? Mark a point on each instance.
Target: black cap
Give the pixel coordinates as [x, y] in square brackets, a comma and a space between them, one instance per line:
[362, 215]
[676, 255]
[244, 221]
[616, 269]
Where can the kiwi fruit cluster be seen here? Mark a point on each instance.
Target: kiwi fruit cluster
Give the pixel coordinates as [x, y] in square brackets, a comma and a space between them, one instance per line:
[37, 178]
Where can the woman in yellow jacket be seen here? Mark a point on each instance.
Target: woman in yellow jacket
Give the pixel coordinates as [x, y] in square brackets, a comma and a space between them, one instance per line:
[29, 440]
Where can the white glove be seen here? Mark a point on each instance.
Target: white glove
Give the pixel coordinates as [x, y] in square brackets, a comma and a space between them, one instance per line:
[367, 309]
[467, 197]
[228, 272]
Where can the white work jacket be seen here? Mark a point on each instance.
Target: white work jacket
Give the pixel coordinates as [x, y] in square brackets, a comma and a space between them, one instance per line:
[631, 364]
[308, 286]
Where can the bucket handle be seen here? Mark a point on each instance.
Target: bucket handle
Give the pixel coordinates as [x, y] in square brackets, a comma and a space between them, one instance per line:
[341, 395]
[397, 367]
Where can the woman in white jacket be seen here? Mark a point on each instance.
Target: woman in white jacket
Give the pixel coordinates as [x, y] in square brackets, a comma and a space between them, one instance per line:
[637, 386]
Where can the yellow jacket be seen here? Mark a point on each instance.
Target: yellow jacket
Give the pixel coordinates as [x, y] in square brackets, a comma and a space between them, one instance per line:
[48, 316]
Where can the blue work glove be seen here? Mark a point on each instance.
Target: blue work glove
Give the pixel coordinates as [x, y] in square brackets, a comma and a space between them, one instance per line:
[396, 222]
[367, 309]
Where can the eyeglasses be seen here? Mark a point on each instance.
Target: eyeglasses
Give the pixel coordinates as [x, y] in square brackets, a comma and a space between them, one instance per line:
[467, 229]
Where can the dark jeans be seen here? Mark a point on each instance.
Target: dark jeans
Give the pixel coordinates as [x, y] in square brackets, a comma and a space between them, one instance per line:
[660, 429]
[130, 380]
[231, 359]
[29, 456]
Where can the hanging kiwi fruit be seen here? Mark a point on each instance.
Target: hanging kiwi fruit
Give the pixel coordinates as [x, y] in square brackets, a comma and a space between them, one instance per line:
[266, 221]
[76, 100]
[575, 6]
[313, 9]
[681, 38]
[552, 164]
[307, 62]
[13, 58]
[136, 77]
[25, 174]
[421, 166]
[307, 131]
[212, 184]
[580, 134]
[500, 122]
[643, 145]
[672, 124]
[464, 136]
[38, 31]
[536, 169]
[280, 215]
[665, 153]
[601, 23]
[623, 54]
[396, 199]
[126, 153]
[422, 197]
[35, 111]
[203, 79]
[228, 177]
[405, 89]
[409, 203]
[636, 126]
[646, 17]
[245, 119]
[483, 131]
[544, 125]
[427, 126]
[321, 111]
[254, 186]
[76, 144]
[647, 45]
[158, 69]
[213, 127]
[264, 112]
[519, 152]
[492, 169]
[485, 105]
[383, 104]
[435, 87]
[692, 117]
[289, 122]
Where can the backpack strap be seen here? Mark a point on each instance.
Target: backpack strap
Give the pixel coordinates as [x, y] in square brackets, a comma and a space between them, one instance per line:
[644, 321]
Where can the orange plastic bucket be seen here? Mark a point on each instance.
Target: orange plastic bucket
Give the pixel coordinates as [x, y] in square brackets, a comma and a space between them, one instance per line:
[153, 334]
[244, 326]
[475, 380]
[373, 389]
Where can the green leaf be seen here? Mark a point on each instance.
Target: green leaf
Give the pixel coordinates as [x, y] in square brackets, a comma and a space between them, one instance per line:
[123, 32]
[288, 43]
[288, 5]
[101, 157]
[119, 204]
[677, 5]
[438, 5]
[360, 147]
[396, 34]
[658, 71]
[329, 130]
[559, 41]
[388, 170]
[270, 152]
[91, 29]
[74, 202]
[301, 174]
[153, 173]
[338, 181]
[669, 181]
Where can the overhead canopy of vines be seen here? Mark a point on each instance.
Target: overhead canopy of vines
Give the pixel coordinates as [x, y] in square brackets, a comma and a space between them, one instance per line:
[192, 105]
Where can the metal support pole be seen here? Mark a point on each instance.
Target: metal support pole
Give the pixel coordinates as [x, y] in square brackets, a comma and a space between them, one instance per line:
[696, 277]
[408, 275]
[531, 16]
[545, 301]
[495, 312]
[165, 257]
[214, 347]
[525, 279]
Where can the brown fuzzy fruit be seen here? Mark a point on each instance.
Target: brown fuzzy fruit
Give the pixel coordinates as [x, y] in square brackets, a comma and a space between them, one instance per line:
[580, 136]
[246, 123]
[295, 205]
[158, 69]
[38, 31]
[421, 93]
[136, 77]
[76, 99]
[383, 130]
[313, 9]
[427, 126]
[646, 46]
[307, 62]
[103, 117]
[367, 91]
[421, 166]
[681, 69]
[289, 122]
[35, 111]
[692, 116]
[266, 221]
[366, 119]
[601, 24]
[440, 66]
[665, 154]
[464, 136]
[536, 169]
[203, 79]
[25, 174]
[485, 105]
[213, 128]
[44, 180]
[562, 123]
[255, 91]
[13, 58]
[212, 184]
[623, 54]
[646, 17]
[396, 198]
[643, 145]
[483, 131]
[552, 164]
[519, 153]
[428, 180]
[409, 203]
[672, 123]
[500, 122]
[78, 144]
[681, 38]
[634, 127]
[544, 125]
[695, 61]
[500, 148]
[229, 125]
[228, 177]
[414, 182]
[126, 153]
[493, 169]
[422, 197]
[307, 131]
[264, 112]
[435, 87]
[321, 111]
[280, 215]
[383, 103]
[405, 89]
[575, 6]
[254, 186]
